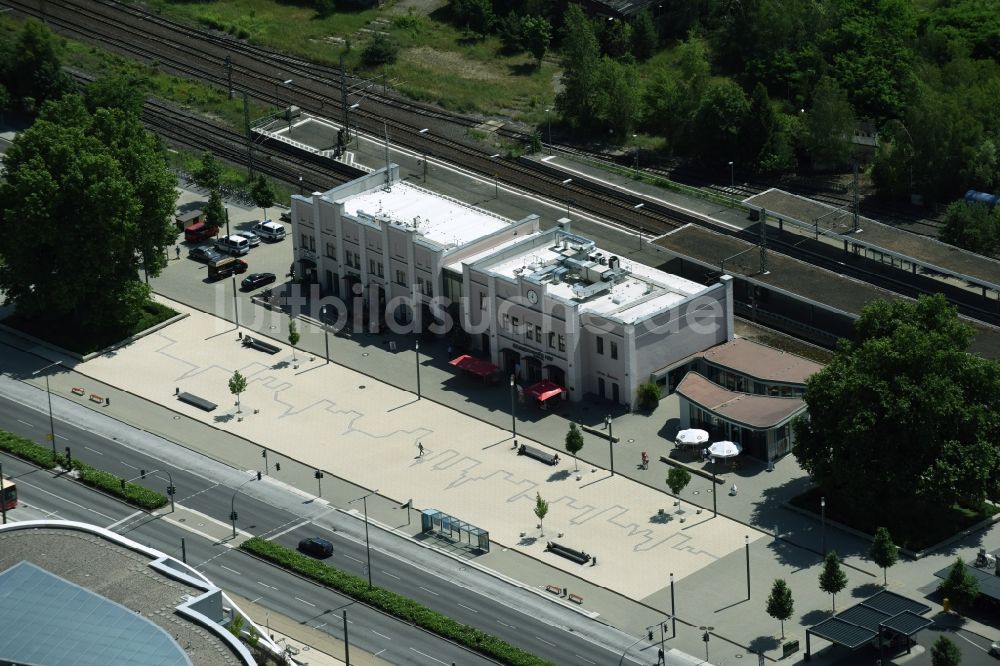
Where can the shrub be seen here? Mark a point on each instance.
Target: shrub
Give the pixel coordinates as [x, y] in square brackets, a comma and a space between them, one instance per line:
[402, 607]
[649, 395]
[27, 450]
[381, 50]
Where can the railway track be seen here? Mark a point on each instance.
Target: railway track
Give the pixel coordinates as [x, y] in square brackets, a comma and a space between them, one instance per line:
[200, 54]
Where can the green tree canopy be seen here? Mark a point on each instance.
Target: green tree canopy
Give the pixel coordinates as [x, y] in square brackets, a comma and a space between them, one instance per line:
[904, 406]
[215, 211]
[715, 129]
[208, 173]
[644, 37]
[581, 61]
[974, 226]
[541, 510]
[832, 579]
[960, 586]
[32, 69]
[945, 653]
[86, 202]
[536, 34]
[883, 552]
[237, 385]
[263, 193]
[829, 124]
[380, 50]
[574, 442]
[780, 605]
[125, 91]
[293, 337]
[677, 480]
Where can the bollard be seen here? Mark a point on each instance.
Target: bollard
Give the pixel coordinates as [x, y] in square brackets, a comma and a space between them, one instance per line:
[107, 401]
[177, 390]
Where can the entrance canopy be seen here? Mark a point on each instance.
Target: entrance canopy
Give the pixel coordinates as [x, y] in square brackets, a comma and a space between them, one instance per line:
[474, 365]
[864, 622]
[544, 390]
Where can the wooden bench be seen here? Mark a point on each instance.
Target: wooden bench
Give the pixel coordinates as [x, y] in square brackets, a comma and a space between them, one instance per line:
[573, 554]
[194, 400]
[538, 454]
[260, 345]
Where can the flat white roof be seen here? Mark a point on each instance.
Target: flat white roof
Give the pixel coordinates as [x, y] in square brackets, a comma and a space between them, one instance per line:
[473, 258]
[438, 219]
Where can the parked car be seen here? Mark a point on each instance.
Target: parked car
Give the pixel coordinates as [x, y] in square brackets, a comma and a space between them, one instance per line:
[250, 236]
[269, 230]
[255, 280]
[225, 267]
[995, 649]
[205, 254]
[200, 231]
[234, 245]
[316, 547]
[286, 217]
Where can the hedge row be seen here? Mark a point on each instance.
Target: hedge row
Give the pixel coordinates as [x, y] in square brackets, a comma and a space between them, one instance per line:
[26, 449]
[392, 603]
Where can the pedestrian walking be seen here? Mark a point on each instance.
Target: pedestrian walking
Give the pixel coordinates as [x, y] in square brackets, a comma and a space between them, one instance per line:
[659, 658]
[177, 250]
[420, 448]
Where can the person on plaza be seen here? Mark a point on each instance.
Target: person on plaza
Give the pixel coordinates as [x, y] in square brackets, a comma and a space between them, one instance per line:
[177, 249]
[645, 460]
[420, 448]
[659, 658]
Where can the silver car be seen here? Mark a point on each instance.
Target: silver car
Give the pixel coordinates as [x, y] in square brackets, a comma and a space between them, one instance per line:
[250, 236]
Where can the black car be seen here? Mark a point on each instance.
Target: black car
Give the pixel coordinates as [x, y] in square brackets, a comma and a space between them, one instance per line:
[316, 547]
[205, 254]
[255, 280]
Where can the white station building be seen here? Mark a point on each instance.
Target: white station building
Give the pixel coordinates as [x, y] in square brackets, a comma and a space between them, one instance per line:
[539, 305]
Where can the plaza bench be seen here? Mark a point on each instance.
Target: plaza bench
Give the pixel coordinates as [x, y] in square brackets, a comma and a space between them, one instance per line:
[573, 554]
[538, 454]
[260, 345]
[196, 401]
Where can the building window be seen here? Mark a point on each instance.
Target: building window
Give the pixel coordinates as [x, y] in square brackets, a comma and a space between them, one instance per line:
[538, 333]
[515, 327]
[505, 322]
[425, 287]
[379, 270]
[529, 331]
[331, 250]
[401, 277]
[482, 301]
[552, 340]
[614, 349]
[562, 343]
[371, 266]
[600, 345]
[305, 241]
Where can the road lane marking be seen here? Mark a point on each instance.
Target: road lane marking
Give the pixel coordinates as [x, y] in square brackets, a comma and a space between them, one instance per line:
[585, 659]
[63, 499]
[93, 450]
[390, 575]
[127, 465]
[123, 520]
[290, 529]
[379, 652]
[266, 585]
[431, 591]
[232, 570]
[544, 641]
[30, 425]
[307, 603]
[509, 626]
[256, 600]
[467, 608]
[973, 643]
[355, 559]
[428, 656]
[320, 626]
[382, 635]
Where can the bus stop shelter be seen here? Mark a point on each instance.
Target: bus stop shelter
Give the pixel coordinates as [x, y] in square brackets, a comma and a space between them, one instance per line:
[884, 615]
[437, 522]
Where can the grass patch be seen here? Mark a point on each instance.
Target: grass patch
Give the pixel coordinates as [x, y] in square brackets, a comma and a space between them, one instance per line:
[69, 334]
[931, 524]
[35, 453]
[397, 605]
[187, 162]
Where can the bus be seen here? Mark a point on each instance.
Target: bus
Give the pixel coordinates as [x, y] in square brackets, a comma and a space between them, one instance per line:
[9, 495]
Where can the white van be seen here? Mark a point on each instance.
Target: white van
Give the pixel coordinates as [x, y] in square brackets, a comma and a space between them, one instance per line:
[234, 245]
[269, 230]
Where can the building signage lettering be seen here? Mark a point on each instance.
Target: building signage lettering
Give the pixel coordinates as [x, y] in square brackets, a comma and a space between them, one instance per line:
[532, 352]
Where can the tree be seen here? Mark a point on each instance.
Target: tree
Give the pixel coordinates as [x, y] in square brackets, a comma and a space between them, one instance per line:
[780, 605]
[263, 193]
[715, 129]
[33, 71]
[510, 29]
[616, 38]
[974, 226]
[574, 442]
[215, 212]
[760, 127]
[380, 50]
[829, 124]
[906, 377]
[883, 552]
[536, 34]
[126, 91]
[832, 579]
[945, 653]
[541, 510]
[476, 15]
[208, 174]
[237, 385]
[649, 395]
[325, 8]
[960, 586]
[293, 337]
[644, 37]
[618, 101]
[77, 227]
[677, 480]
[581, 59]
[4, 100]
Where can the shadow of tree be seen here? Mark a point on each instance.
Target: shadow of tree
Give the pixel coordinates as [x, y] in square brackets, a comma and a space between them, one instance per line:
[280, 365]
[224, 418]
[815, 616]
[764, 643]
[561, 475]
[524, 68]
[866, 590]
[527, 541]
[669, 429]
[661, 518]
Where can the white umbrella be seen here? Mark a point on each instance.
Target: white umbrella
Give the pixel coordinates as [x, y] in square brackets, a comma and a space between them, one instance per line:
[724, 449]
[691, 437]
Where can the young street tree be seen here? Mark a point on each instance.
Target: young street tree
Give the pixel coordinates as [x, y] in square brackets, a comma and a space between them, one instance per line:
[883, 552]
[677, 480]
[91, 194]
[237, 385]
[263, 193]
[536, 35]
[293, 337]
[960, 586]
[780, 605]
[215, 212]
[574, 442]
[832, 579]
[945, 653]
[541, 510]
[209, 172]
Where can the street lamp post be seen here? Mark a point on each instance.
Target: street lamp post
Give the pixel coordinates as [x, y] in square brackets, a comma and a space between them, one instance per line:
[513, 418]
[567, 182]
[611, 442]
[368, 549]
[263, 454]
[48, 393]
[319, 483]
[496, 178]
[822, 529]
[424, 131]
[746, 543]
[715, 491]
[232, 503]
[416, 350]
[635, 138]
[673, 610]
[326, 330]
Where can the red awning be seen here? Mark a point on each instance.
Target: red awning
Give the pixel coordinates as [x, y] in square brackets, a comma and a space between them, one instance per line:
[544, 390]
[474, 365]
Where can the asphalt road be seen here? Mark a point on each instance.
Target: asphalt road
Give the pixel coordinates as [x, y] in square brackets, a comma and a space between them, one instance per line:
[233, 570]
